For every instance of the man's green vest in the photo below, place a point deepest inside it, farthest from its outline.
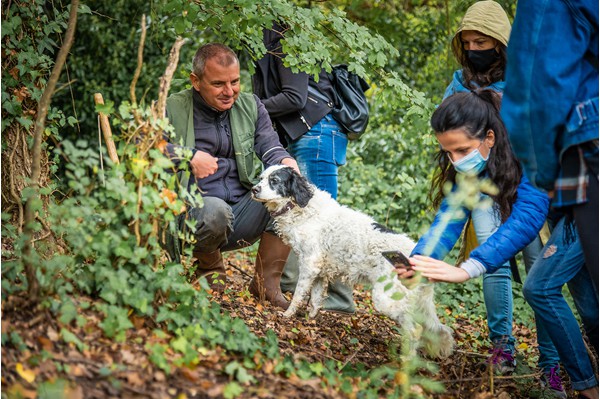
(242, 118)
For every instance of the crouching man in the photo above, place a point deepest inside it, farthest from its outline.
(225, 130)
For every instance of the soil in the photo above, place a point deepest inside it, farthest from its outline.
(108, 369)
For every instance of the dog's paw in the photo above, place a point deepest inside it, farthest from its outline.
(440, 345)
(289, 313)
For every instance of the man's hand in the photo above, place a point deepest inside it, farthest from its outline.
(291, 162)
(436, 270)
(203, 164)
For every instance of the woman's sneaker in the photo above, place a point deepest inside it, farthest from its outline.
(552, 385)
(502, 360)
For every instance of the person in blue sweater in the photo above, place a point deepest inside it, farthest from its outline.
(473, 140)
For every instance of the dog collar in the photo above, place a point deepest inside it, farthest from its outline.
(290, 205)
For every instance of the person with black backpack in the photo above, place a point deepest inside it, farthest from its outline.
(301, 110)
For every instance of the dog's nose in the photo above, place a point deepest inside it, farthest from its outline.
(255, 190)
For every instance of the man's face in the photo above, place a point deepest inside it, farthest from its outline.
(219, 86)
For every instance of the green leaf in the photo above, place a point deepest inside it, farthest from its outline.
(84, 9)
(68, 312)
(317, 368)
(107, 108)
(179, 25)
(69, 337)
(232, 390)
(157, 356)
(397, 296)
(180, 344)
(25, 122)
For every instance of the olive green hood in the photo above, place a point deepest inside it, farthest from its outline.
(487, 17)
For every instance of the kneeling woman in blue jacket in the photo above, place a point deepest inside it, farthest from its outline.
(473, 140)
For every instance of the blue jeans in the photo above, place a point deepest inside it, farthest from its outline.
(319, 153)
(497, 286)
(560, 262)
(497, 293)
(548, 354)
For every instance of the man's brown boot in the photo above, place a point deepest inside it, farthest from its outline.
(270, 260)
(210, 265)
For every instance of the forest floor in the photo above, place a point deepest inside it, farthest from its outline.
(46, 367)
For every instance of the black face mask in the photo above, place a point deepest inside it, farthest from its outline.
(482, 59)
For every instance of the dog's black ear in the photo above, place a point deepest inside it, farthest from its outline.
(300, 189)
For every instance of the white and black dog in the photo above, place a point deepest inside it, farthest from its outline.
(334, 242)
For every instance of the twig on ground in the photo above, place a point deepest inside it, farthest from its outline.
(498, 377)
(239, 269)
(475, 354)
(349, 359)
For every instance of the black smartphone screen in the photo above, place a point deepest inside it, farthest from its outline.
(396, 258)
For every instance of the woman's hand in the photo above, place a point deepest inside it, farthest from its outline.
(405, 272)
(436, 270)
(408, 276)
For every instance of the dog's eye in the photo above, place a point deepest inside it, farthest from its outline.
(274, 179)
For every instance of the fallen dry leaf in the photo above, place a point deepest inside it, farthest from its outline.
(74, 392)
(134, 379)
(47, 344)
(18, 391)
(27, 375)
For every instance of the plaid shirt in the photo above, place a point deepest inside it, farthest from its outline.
(577, 163)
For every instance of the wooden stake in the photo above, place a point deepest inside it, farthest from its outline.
(106, 131)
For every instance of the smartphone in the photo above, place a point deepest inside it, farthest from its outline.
(397, 259)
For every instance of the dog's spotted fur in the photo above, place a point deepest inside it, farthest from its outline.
(334, 242)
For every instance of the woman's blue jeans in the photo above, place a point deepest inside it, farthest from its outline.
(319, 153)
(497, 286)
(562, 261)
(497, 293)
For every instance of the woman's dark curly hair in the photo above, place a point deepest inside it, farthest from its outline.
(476, 112)
(495, 72)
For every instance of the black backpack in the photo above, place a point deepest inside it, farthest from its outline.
(351, 109)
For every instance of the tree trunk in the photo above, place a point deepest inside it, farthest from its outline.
(40, 123)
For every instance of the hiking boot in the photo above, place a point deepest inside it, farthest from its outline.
(270, 260)
(552, 385)
(502, 360)
(210, 266)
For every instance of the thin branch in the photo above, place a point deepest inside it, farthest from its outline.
(165, 80)
(106, 130)
(140, 62)
(349, 359)
(497, 377)
(13, 191)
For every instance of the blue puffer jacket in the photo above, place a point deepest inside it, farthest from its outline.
(457, 85)
(522, 226)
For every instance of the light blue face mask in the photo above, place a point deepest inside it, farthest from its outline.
(472, 164)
